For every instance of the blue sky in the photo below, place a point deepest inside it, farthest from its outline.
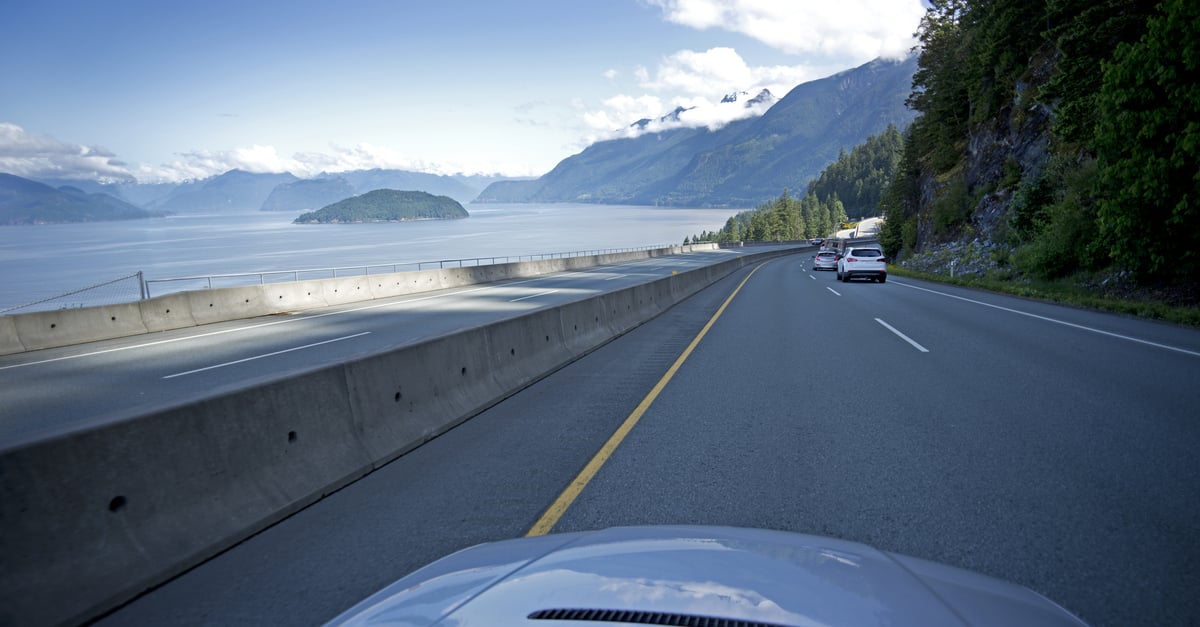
(166, 91)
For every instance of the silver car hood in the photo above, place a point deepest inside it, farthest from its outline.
(675, 574)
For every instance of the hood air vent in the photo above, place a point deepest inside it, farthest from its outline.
(638, 617)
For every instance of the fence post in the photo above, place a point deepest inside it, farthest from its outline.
(145, 289)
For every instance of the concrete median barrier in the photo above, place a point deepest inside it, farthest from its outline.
(94, 519)
(91, 519)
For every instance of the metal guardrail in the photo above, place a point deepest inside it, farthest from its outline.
(284, 276)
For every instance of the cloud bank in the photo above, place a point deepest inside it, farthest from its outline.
(826, 37)
(856, 29)
(697, 82)
(257, 158)
(31, 155)
(34, 156)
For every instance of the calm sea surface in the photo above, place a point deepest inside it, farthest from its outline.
(45, 261)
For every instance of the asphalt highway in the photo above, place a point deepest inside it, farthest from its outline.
(50, 392)
(1045, 445)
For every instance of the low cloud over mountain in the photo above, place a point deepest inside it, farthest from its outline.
(31, 155)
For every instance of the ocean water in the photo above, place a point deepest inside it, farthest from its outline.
(45, 261)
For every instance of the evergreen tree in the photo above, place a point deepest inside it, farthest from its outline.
(1148, 146)
(1085, 32)
(837, 213)
(733, 230)
(810, 209)
(940, 86)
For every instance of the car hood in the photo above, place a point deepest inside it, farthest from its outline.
(632, 575)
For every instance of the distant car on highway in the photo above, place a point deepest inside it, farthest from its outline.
(816, 241)
(825, 260)
(695, 575)
(862, 262)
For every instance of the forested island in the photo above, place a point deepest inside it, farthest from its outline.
(386, 205)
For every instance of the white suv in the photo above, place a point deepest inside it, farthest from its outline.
(864, 261)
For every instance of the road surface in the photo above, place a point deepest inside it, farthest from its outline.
(1046, 445)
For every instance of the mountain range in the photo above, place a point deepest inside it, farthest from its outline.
(23, 201)
(743, 163)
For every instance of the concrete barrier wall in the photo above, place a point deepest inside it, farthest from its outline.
(173, 311)
(10, 342)
(39, 330)
(93, 519)
(45, 329)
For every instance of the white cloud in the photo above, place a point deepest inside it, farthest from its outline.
(825, 36)
(856, 30)
(696, 81)
(720, 70)
(31, 155)
(202, 164)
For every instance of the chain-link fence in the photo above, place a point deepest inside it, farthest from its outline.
(126, 289)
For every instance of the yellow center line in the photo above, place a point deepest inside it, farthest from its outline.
(568, 496)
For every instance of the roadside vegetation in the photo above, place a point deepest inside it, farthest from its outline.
(1066, 293)
(1054, 156)
(1063, 135)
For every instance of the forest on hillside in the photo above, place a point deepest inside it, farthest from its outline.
(848, 189)
(1067, 132)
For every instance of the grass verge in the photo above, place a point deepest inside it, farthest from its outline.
(1066, 294)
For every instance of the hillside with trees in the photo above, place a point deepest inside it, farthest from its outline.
(1061, 137)
(741, 164)
(386, 205)
(847, 189)
(23, 201)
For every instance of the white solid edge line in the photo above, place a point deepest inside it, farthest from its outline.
(902, 336)
(286, 350)
(515, 300)
(1056, 321)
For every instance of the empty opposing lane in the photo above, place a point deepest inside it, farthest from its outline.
(49, 392)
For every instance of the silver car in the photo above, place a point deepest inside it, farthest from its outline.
(694, 575)
(825, 260)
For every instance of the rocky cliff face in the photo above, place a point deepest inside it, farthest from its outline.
(1009, 147)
